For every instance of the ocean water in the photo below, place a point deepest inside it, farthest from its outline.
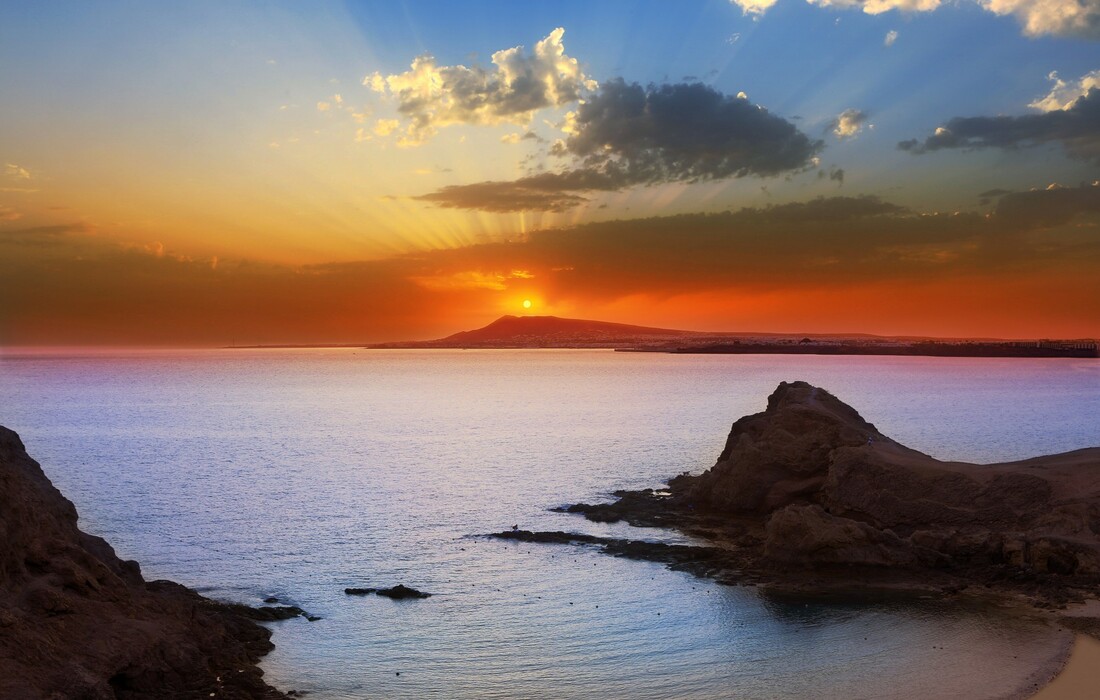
(297, 473)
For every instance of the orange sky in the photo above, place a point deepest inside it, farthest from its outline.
(840, 265)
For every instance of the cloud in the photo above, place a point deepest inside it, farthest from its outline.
(385, 127)
(1080, 18)
(626, 135)
(851, 261)
(1063, 95)
(848, 123)
(9, 214)
(544, 192)
(1076, 128)
(988, 196)
(685, 132)
(324, 106)
(753, 7)
(430, 96)
(832, 242)
(891, 37)
(61, 287)
(1046, 208)
(833, 173)
(1074, 18)
(877, 7)
(12, 170)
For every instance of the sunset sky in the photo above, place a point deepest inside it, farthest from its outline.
(206, 173)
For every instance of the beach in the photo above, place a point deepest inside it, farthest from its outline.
(1080, 679)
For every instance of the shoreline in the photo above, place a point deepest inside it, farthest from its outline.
(1079, 676)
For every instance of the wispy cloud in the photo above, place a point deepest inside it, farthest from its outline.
(17, 172)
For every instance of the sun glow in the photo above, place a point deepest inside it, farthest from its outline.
(526, 303)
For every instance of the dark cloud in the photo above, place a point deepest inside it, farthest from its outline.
(1077, 129)
(542, 192)
(1054, 206)
(686, 132)
(72, 287)
(824, 243)
(627, 135)
(989, 195)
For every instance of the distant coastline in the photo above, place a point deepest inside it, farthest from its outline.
(552, 332)
(924, 348)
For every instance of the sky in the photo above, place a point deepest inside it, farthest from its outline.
(212, 173)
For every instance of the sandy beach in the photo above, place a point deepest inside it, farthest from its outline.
(1080, 679)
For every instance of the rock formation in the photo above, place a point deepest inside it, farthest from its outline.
(78, 622)
(398, 592)
(836, 490)
(809, 485)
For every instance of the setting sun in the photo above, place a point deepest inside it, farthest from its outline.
(526, 303)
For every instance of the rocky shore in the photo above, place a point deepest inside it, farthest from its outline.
(809, 498)
(78, 622)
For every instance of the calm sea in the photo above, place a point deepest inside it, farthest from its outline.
(297, 473)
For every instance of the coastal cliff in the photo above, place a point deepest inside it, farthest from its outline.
(837, 491)
(78, 622)
(809, 496)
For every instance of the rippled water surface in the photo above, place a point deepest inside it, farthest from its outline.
(297, 473)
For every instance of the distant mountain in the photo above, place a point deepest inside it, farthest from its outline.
(555, 332)
(552, 331)
(551, 328)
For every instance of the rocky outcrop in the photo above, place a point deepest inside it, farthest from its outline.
(398, 592)
(78, 622)
(808, 485)
(832, 489)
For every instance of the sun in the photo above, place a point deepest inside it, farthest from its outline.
(526, 303)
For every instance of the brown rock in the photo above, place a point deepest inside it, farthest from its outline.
(808, 536)
(78, 622)
(832, 489)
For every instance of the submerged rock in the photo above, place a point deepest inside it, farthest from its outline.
(78, 622)
(270, 613)
(398, 592)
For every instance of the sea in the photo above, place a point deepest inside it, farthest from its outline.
(296, 473)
